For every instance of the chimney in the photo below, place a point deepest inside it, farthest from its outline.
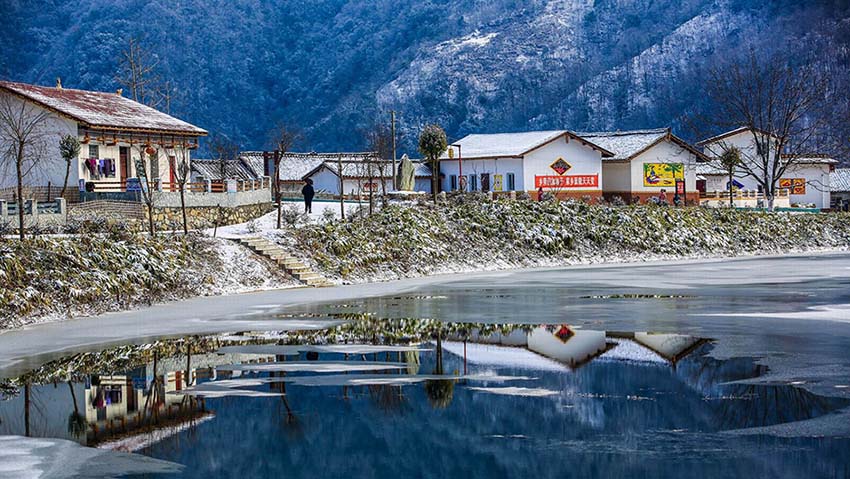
(59, 83)
(119, 92)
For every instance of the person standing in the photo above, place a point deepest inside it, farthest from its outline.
(540, 194)
(308, 193)
(662, 197)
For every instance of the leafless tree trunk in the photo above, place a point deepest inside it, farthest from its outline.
(182, 173)
(341, 187)
(138, 73)
(23, 143)
(780, 106)
(148, 185)
(284, 139)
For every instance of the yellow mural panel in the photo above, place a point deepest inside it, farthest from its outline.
(662, 175)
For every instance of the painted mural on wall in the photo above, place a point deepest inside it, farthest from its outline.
(662, 175)
(797, 186)
(560, 166)
(498, 182)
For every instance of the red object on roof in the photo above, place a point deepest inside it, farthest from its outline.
(102, 110)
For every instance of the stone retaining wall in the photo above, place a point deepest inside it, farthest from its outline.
(207, 216)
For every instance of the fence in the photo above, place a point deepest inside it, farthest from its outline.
(41, 213)
(744, 199)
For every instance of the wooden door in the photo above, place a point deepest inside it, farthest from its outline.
(485, 181)
(124, 164)
(171, 172)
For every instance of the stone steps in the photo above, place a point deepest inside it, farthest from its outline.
(293, 266)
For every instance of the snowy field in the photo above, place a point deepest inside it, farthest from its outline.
(267, 224)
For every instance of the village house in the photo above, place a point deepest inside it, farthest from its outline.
(806, 182)
(559, 161)
(646, 162)
(839, 188)
(113, 131)
(362, 173)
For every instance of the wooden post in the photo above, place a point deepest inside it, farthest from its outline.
(341, 187)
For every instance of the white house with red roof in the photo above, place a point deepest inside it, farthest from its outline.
(558, 161)
(113, 132)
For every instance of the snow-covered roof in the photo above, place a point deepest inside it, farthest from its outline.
(102, 110)
(233, 169)
(421, 169)
(723, 136)
(709, 169)
(361, 169)
(511, 145)
(812, 159)
(626, 144)
(839, 180)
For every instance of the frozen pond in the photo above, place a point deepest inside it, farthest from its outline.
(714, 369)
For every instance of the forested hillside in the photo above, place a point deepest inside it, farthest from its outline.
(330, 67)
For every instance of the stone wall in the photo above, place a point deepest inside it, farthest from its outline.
(207, 216)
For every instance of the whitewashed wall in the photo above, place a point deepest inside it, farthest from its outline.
(664, 152)
(324, 180)
(498, 166)
(583, 159)
(816, 175)
(618, 176)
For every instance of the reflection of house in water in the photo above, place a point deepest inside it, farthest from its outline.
(577, 347)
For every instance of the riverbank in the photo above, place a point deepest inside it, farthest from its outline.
(49, 279)
(472, 233)
(57, 278)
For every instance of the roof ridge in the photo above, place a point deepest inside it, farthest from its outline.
(646, 131)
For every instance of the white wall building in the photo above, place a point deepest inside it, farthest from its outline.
(645, 162)
(113, 132)
(361, 173)
(559, 161)
(805, 183)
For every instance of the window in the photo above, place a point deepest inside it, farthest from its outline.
(452, 182)
(94, 151)
(511, 182)
(473, 182)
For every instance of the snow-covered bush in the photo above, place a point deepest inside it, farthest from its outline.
(471, 232)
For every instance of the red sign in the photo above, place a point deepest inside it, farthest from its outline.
(680, 187)
(569, 181)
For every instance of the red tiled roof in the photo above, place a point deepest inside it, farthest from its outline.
(102, 110)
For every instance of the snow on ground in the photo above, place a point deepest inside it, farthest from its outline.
(266, 225)
(27, 457)
(242, 271)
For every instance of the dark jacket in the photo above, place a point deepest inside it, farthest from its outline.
(308, 192)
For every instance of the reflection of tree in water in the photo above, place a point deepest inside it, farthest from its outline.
(753, 405)
(439, 391)
(749, 405)
(76, 422)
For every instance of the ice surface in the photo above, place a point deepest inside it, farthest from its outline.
(294, 350)
(515, 391)
(314, 366)
(31, 458)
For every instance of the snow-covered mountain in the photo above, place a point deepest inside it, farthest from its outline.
(332, 66)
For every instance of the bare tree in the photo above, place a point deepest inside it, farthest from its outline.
(379, 141)
(182, 172)
(149, 178)
(23, 143)
(284, 138)
(137, 72)
(780, 105)
(223, 151)
(730, 160)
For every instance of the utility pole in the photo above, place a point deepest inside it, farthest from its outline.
(392, 129)
(341, 187)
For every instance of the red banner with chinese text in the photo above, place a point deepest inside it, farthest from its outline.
(568, 181)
